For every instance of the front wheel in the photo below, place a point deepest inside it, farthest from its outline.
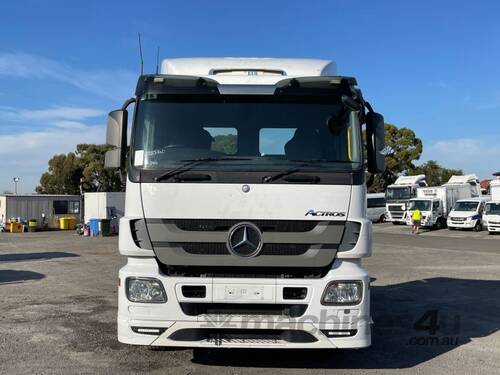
(478, 227)
(382, 219)
(440, 224)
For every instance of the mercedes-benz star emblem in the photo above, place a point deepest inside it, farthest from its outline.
(244, 240)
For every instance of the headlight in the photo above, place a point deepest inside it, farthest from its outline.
(144, 289)
(343, 293)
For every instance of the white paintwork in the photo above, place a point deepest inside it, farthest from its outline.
(470, 179)
(470, 217)
(169, 315)
(227, 201)
(97, 204)
(492, 222)
(263, 201)
(413, 182)
(445, 196)
(208, 67)
(409, 180)
(495, 189)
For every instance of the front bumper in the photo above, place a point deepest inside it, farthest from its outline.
(467, 224)
(318, 327)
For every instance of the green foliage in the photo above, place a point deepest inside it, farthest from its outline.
(402, 149)
(85, 166)
(436, 175)
(225, 143)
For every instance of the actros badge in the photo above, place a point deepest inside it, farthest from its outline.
(325, 213)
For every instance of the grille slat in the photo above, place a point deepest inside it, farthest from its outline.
(221, 225)
(214, 248)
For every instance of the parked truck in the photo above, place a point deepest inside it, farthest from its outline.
(471, 180)
(245, 216)
(491, 215)
(398, 194)
(436, 202)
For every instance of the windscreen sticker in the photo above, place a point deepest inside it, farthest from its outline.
(139, 158)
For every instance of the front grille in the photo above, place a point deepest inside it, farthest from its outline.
(457, 218)
(395, 209)
(210, 248)
(222, 225)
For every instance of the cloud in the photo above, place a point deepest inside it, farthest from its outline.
(49, 115)
(26, 154)
(479, 155)
(114, 84)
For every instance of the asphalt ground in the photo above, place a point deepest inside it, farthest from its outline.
(435, 306)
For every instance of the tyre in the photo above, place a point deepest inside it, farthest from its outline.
(382, 219)
(440, 224)
(478, 227)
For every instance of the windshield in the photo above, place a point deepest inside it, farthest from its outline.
(492, 209)
(466, 206)
(420, 204)
(395, 193)
(247, 133)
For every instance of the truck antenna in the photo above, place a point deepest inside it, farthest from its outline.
(157, 58)
(140, 54)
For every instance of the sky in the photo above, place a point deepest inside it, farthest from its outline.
(432, 66)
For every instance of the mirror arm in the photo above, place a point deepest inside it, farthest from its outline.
(127, 103)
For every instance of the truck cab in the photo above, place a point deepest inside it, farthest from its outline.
(431, 210)
(491, 216)
(398, 194)
(468, 214)
(245, 217)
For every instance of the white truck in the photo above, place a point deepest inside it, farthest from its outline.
(491, 216)
(471, 180)
(245, 215)
(468, 214)
(398, 194)
(435, 203)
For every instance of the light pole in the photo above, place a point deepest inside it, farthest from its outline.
(16, 180)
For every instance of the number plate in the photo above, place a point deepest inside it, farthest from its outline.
(243, 293)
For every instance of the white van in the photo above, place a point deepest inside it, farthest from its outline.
(468, 214)
(375, 207)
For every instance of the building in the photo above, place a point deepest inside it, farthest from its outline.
(104, 205)
(45, 208)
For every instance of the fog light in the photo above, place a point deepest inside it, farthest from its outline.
(343, 293)
(146, 290)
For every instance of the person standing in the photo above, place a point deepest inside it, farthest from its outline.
(416, 218)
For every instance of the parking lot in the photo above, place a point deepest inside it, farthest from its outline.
(435, 306)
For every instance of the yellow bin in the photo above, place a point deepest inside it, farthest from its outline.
(67, 223)
(16, 228)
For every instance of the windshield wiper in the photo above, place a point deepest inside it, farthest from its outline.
(191, 164)
(297, 178)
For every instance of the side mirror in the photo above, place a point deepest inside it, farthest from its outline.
(375, 142)
(116, 135)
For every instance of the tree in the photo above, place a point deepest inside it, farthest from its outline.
(62, 177)
(81, 169)
(436, 175)
(402, 149)
(225, 143)
(95, 177)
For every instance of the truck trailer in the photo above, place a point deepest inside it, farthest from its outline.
(245, 211)
(436, 202)
(398, 194)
